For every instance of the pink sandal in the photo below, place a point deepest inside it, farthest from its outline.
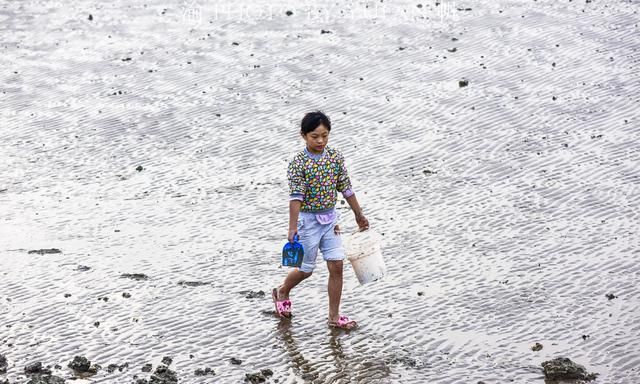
(343, 323)
(283, 307)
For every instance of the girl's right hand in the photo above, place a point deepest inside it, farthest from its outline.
(292, 233)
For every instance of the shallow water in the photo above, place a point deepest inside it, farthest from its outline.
(527, 217)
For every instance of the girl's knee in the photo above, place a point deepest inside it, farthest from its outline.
(335, 266)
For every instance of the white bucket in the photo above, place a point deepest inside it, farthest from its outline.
(364, 252)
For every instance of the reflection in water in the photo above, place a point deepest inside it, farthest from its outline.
(351, 366)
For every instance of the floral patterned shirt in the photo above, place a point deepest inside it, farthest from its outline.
(315, 179)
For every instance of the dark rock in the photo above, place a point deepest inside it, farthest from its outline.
(463, 83)
(67, 295)
(83, 268)
(3, 365)
(90, 18)
(135, 276)
(452, 49)
(147, 368)
(139, 168)
(112, 368)
(266, 372)
(46, 379)
(167, 361)
(255, 377)
(585, 337)
(163, 375)
(193, 283)
(252, 294)
(536, 347)
(235, 361)
(289, 13)
(323, 31)
(36, 369)
(611, 296)
(80, 364)
(126, 295)
(204, 372)
(45, 251)
(562, 368)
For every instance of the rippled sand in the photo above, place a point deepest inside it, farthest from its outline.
(509, 206)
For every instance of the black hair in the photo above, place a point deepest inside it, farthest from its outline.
(313, 120)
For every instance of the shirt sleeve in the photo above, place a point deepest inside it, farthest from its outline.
(295, 176)
(348, 192)
(296, 196)
(344, 182)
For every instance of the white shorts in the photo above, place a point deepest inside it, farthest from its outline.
(313, 236)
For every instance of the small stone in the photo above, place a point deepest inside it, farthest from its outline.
(135, 276)
(289, 13)
(147, 367)
(536, 347)
(139, 168)
(610, 296)
(463, 83)
(167, 361)
(45, 251)
(126, 295)
(235, 361)
(90, 18)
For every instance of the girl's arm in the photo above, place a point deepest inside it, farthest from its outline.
(294, 211)
(362, 221)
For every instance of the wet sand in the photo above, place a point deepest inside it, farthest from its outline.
(494, 145)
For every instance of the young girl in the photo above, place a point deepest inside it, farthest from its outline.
(315, 174)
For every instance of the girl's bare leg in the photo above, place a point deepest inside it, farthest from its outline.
(293, 278)
(335, 288)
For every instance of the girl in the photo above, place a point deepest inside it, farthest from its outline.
(314, 175)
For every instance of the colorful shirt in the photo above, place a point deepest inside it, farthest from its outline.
(315, 178)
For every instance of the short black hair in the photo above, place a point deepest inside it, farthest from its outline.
(313, 120)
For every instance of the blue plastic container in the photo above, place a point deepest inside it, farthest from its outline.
(292, 253)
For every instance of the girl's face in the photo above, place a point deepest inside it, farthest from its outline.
(317, 139)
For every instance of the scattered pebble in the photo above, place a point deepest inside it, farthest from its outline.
(3, 365)
(193, 283)
(252, 294)
(463, 83)
(536, 347)
(90, 18)
(81, 364)
(139, 167)
(204, 372)
(135, 276)
(235, 361)
(611, 296)
(258, 377)
(147, 367)
(45, 251)
(126, 295)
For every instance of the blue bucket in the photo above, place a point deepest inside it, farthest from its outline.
(292, 253)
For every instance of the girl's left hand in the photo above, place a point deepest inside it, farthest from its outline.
(336, 229)
(362, 221)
